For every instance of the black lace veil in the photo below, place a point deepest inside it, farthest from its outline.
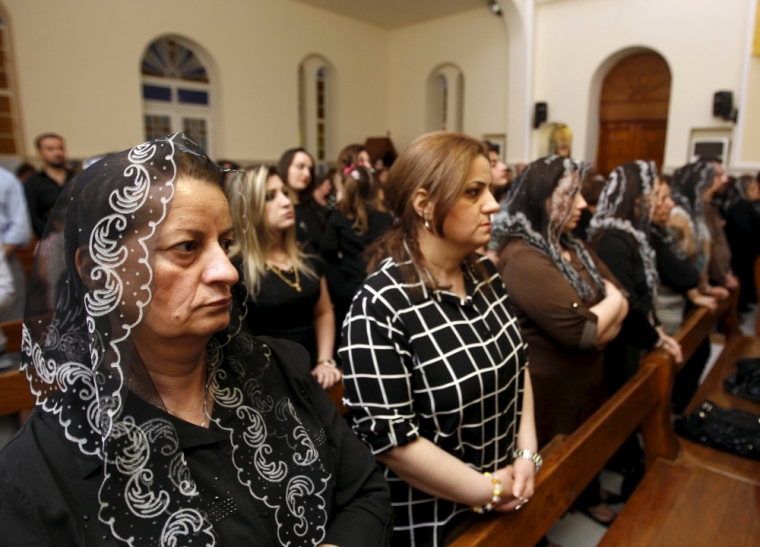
(687, 188)
(91, 286)
(524, 213)
(627, 204)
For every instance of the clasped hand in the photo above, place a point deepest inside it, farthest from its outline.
(517, 481)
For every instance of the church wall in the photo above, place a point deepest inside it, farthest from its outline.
(476, 42)
(702, 41)
(78, 68)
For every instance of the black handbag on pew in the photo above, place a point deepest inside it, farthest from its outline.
(745, 382)
(730, 430)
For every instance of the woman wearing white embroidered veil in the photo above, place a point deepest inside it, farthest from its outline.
(160, 420)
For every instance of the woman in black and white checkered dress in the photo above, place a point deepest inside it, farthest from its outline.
(436, 376)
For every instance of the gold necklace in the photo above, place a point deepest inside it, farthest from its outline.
(280, 273)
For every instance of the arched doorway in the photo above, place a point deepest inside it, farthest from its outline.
(633, 111)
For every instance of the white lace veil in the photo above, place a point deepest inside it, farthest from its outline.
(523, 213)
(627, 204)
(90, 287)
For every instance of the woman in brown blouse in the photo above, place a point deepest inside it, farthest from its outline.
(566, 299)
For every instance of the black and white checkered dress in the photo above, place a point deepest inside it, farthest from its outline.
(427, 363)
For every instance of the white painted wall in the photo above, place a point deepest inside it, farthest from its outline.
(702, 41)
(78, 67)
(477, 43)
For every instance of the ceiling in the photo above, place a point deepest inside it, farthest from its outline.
(396, 13)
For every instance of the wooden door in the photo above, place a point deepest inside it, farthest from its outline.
(633, 114)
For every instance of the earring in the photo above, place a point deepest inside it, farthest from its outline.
(427, 225)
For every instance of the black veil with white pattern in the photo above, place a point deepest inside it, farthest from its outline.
(91, 285)
(687, 188)
(627, 204)
(524, 213)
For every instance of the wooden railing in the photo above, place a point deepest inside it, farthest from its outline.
(644, 401)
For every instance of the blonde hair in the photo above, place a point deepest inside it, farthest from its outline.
(247, 196)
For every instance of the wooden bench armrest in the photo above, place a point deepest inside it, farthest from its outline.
(568, 468)
(644, 400)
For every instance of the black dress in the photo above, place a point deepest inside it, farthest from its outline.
(49, 490)
(620, 253)
(308, 225)
(343, 251)
(743, 234)
(679, 274)
(280, 311)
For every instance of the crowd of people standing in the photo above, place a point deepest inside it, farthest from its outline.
(472, 315)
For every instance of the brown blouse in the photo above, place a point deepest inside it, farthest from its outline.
(566, 367)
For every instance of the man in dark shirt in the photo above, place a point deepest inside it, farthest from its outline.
(43, 188)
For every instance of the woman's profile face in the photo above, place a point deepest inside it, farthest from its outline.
(468, 223)
(565, 204)
(663, 205)
(364, 159)
(753, 191)
(192, 275)
(299, 172)
(278, 209)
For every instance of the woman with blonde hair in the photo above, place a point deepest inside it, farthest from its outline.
(286, 292)
(436, 369)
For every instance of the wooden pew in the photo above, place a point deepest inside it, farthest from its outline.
(14, 389)
(644, 401)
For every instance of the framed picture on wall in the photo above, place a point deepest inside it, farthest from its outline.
(500, 140)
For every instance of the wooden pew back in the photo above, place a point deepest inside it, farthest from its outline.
(14, 389)
(643, 401)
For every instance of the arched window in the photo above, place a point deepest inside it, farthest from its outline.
(176, 91)
(445, 96)
(11, 147)
(316, 110)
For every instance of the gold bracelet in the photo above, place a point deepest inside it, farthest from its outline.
(328, 362)
(496, 498)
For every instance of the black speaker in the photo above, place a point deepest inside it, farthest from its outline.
(723, 104)
(540, 115)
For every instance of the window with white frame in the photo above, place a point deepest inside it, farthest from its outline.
(316, 110)
(10, 134)
(445, 97)
(176, 92)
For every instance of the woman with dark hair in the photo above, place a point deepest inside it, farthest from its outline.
(160, 420)
(435, 368)
(568, 302)
(296, 169)
(286, 291)
(359, 220)
(698, 225)
(619, 233)
(353, 155)
(323, 196)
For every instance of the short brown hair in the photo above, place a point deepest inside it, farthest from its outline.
(40, 138)
(438, 163)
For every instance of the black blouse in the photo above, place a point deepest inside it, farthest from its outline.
(619, 252)
(280, 311)
(421, 363)
(343, 250)
(49, 491)
(308, 225)
(675, 272)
